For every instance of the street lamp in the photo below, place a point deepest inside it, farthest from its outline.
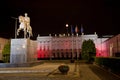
(15, 25)
(67, 28)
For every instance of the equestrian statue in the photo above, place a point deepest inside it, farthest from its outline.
(25, 26)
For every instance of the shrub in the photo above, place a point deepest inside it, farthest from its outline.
(110, 63)
(1, 61)
(88, 50)
(6, 53)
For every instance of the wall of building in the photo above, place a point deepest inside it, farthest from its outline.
(111, 47)
(62, 46)
(101, 47)
(3, 41)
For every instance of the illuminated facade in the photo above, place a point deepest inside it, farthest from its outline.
(62, 46)
(110, 47)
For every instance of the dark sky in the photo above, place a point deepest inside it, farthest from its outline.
(50, 16)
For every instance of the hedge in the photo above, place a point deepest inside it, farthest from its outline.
(112, 64)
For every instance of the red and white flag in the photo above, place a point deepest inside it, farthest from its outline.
(76, 29)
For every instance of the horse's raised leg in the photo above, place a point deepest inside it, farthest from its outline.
(18, 30)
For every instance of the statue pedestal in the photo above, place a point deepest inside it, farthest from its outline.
(23, 51)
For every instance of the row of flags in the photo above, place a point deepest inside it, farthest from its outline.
(76, 29)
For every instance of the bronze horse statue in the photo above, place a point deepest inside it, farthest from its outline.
(25, 26)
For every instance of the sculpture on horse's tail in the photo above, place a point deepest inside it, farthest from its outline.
(25, 26)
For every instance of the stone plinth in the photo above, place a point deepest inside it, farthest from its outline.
(22, 51)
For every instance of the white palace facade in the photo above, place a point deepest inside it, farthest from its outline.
(64, 46)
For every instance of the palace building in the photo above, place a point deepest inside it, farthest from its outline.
(61, 46)
(64, 46)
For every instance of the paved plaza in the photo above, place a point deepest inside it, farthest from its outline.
(49, 71)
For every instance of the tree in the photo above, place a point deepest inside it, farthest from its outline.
(88, 50)
(6, 52)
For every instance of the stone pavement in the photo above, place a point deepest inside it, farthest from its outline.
(87, 74)
(49, 71)
(46, 71)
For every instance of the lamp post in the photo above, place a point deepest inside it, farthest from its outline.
(15, 25)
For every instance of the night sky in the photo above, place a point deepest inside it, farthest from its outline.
(50, 16)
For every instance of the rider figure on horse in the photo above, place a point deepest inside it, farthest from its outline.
(25, 25)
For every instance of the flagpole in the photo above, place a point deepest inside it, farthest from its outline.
(72, 35)
(72, 46)
(77, 45)
(76, 30)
